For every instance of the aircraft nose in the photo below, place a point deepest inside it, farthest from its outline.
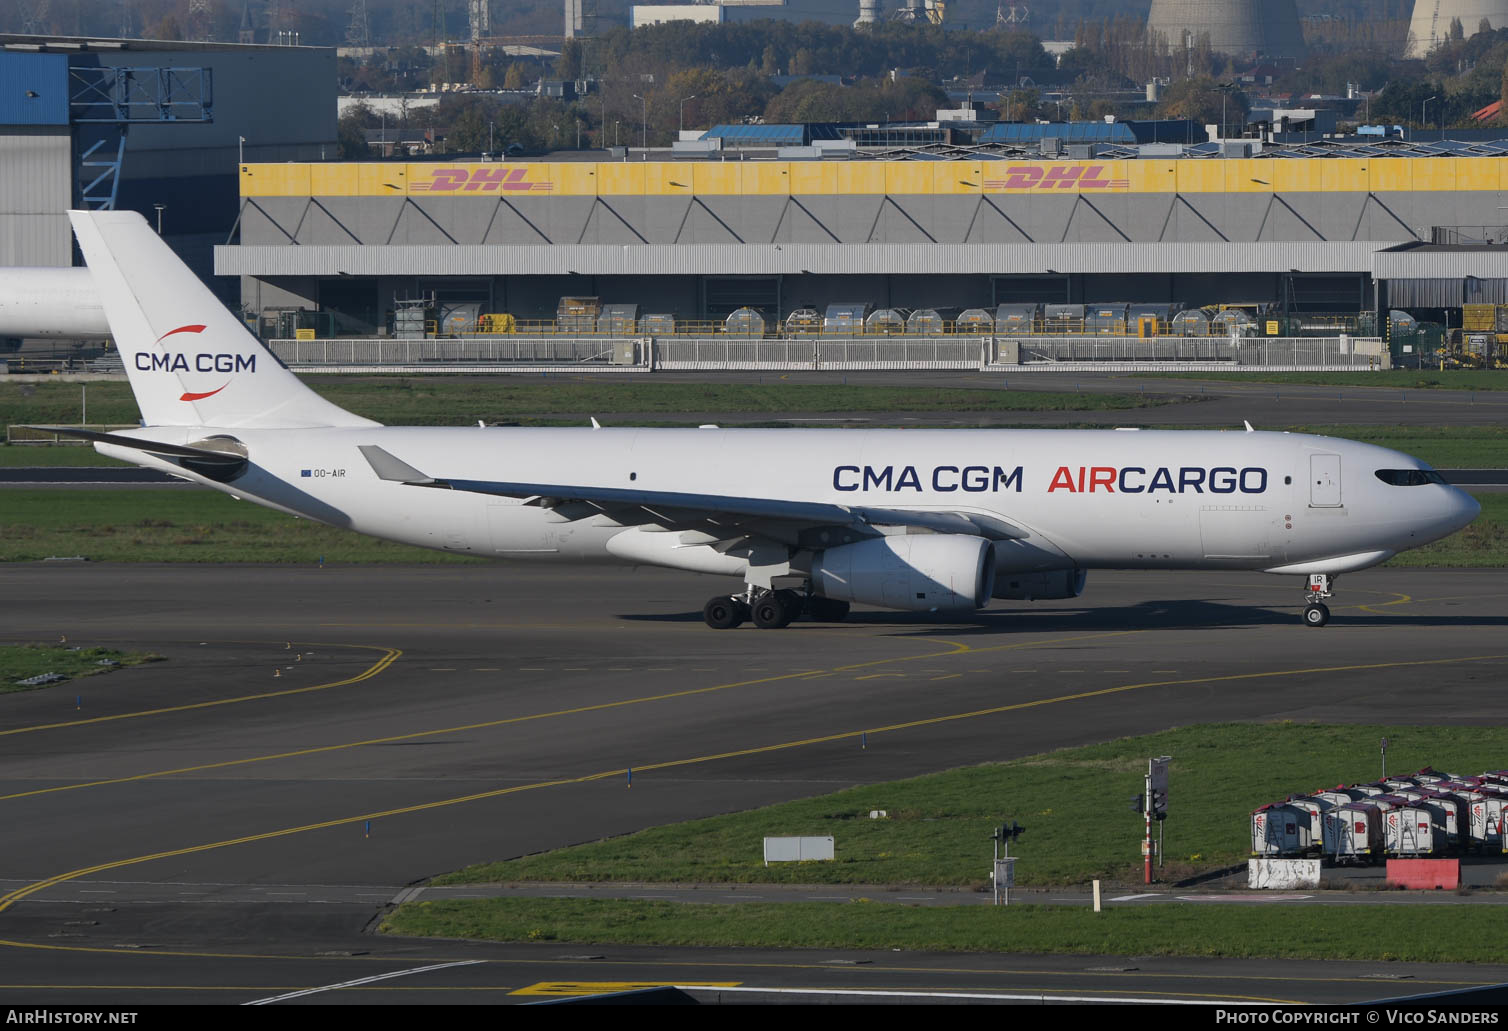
(1461, 509)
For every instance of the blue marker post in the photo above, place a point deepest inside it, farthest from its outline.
(368, 832)
(864, 739)
(322, 562)
(78, 702)
(630, 776)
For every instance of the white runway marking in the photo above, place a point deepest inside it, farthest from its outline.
(360, 981)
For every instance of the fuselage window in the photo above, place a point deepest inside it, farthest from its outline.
(1409, 477)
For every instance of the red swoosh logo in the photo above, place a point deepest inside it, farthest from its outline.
(201, 397)
(180, 329)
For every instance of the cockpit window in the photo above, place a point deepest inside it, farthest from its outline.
(1409, 477)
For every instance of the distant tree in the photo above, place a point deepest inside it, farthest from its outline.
(571, 61)
(351, 132)
(1456, 30)
(514, 77)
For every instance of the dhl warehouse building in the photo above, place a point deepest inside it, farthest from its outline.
(700, 238)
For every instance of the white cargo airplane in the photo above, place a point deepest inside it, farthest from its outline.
(809, 520)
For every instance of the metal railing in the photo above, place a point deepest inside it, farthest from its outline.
(500, 350)
(841, 353)
(1313, 352)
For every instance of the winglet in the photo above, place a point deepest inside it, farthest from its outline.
(389, 468)
(1248, 426)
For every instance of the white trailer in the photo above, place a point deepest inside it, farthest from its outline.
(1408, 828)
(1279, 829)
(1451, 809)
(1355, 831)
(1315, 808)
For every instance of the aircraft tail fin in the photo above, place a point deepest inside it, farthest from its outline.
(191, 362)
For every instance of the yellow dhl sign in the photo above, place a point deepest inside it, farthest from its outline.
(542, 179)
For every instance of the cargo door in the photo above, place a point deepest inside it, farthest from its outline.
(1235, 533)
(1324, 481)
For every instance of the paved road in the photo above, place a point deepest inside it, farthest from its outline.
(198, 829)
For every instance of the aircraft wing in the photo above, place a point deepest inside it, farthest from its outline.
(773, 517)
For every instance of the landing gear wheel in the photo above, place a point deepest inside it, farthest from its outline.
(827, 610)
(771, 612)
(723, 613)
(1316, 614)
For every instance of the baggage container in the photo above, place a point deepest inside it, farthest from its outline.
(931, 322)
(1315, 808)
(1016, 319)
(886, 321)
(1452, 808)
(803, 322)
(1356, 833)
(1408, 827)
(976, 321)
(845, 320)
(744, 322)
(1279, 829)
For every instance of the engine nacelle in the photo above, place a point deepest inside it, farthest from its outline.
(915, 572)
(1048, 586)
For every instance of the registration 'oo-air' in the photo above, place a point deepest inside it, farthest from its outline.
(809, 520)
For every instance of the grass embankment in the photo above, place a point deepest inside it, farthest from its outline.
(442, 401)
(106, 524)
(22, 661)
(1071, 802)
(1357, 932)
(1072, 805)
(1410, 379)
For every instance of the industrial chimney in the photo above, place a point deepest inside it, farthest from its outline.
(1242, 27)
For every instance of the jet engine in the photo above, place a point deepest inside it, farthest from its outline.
(1048, 586)
(915, 572)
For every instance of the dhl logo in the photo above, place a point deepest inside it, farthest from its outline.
(473, 180)
(1057, 177)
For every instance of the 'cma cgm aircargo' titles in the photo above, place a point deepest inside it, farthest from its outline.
(809, 520)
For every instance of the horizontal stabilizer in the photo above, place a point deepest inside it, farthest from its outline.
(151, 447)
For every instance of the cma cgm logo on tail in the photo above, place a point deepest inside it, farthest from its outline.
(483, 179)
(202, 361)
(1056, 177)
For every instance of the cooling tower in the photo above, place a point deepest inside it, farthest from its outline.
(1431, 22)
(1244, 27)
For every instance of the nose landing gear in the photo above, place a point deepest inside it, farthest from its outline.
(1316, 612)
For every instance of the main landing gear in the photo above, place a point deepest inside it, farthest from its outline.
(1316, 612)
(770, 610)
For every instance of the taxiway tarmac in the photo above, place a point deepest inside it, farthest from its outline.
(369, 727)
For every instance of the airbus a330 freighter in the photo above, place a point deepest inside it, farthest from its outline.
(809, 520)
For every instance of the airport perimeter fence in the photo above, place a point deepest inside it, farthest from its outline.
(1271, 353)
(1001, 353)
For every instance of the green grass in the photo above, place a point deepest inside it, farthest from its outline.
(21, 661)
(1072, 804)
(1444, 447)
(1482, 544)
(1414, 379)
(178, 525)
(1416, 933)
(442, 401)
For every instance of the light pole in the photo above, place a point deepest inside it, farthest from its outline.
(643, 122)
(159, 208)
(682, 126)
(1422, 108)
(240, 150)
